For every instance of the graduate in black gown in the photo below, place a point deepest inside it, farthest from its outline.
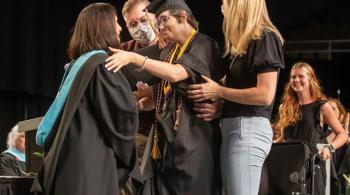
(184, 147)
(89, 131)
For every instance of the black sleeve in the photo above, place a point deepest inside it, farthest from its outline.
(202, 58)
(133, 76)
(118, 116)
(265, 54)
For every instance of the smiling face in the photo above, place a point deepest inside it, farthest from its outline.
(300, 80)
(168, 26)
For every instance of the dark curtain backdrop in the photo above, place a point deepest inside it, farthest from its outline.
(34, 36)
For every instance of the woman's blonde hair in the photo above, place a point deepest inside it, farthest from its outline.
(289, 110)
(244, 21)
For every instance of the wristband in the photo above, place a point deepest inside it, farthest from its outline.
(143, 65)
(330, 147)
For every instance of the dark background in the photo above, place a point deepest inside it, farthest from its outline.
(34, 36)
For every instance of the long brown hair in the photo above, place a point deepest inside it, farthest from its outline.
(94, 29)
(289, 112)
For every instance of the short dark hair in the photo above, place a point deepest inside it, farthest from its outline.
(94, 29)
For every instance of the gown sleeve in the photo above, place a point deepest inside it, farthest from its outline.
(118, 117)
(203, 57)
(265, 54)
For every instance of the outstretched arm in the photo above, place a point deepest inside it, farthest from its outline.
(166, 71)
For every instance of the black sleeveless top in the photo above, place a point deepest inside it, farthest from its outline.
(308, 129)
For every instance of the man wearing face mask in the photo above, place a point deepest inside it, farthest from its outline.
(139, 28)
(143, 36)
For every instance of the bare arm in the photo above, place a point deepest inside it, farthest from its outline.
(332, 121)
(332, 136)
(263, 94)
(166, 71)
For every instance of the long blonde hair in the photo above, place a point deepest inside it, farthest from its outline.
(244, 21)
(289, 112)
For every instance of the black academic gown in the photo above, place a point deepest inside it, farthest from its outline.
(91, 149)
(10, 165)
(189, 155)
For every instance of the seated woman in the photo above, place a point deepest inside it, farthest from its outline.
(89, 131)
(12, 160)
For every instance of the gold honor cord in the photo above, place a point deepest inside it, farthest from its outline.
(182, 50)
(187, 42)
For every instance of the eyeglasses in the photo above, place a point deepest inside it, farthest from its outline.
(164, 19)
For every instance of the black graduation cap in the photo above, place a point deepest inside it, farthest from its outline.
(159, 6)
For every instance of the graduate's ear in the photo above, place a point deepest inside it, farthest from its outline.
(183, 16)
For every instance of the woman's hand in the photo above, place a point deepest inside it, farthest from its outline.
(118, 60)
(145, 104)
(143, 95)
(208, 111)
(325, 153)
(142, 90)
(209, 90)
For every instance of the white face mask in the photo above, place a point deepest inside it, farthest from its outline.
(142, 33)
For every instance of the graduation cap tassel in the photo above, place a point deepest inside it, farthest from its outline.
(155, 153)
(155, 148)
(161, 42)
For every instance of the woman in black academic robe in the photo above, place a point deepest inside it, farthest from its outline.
(90, 149)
